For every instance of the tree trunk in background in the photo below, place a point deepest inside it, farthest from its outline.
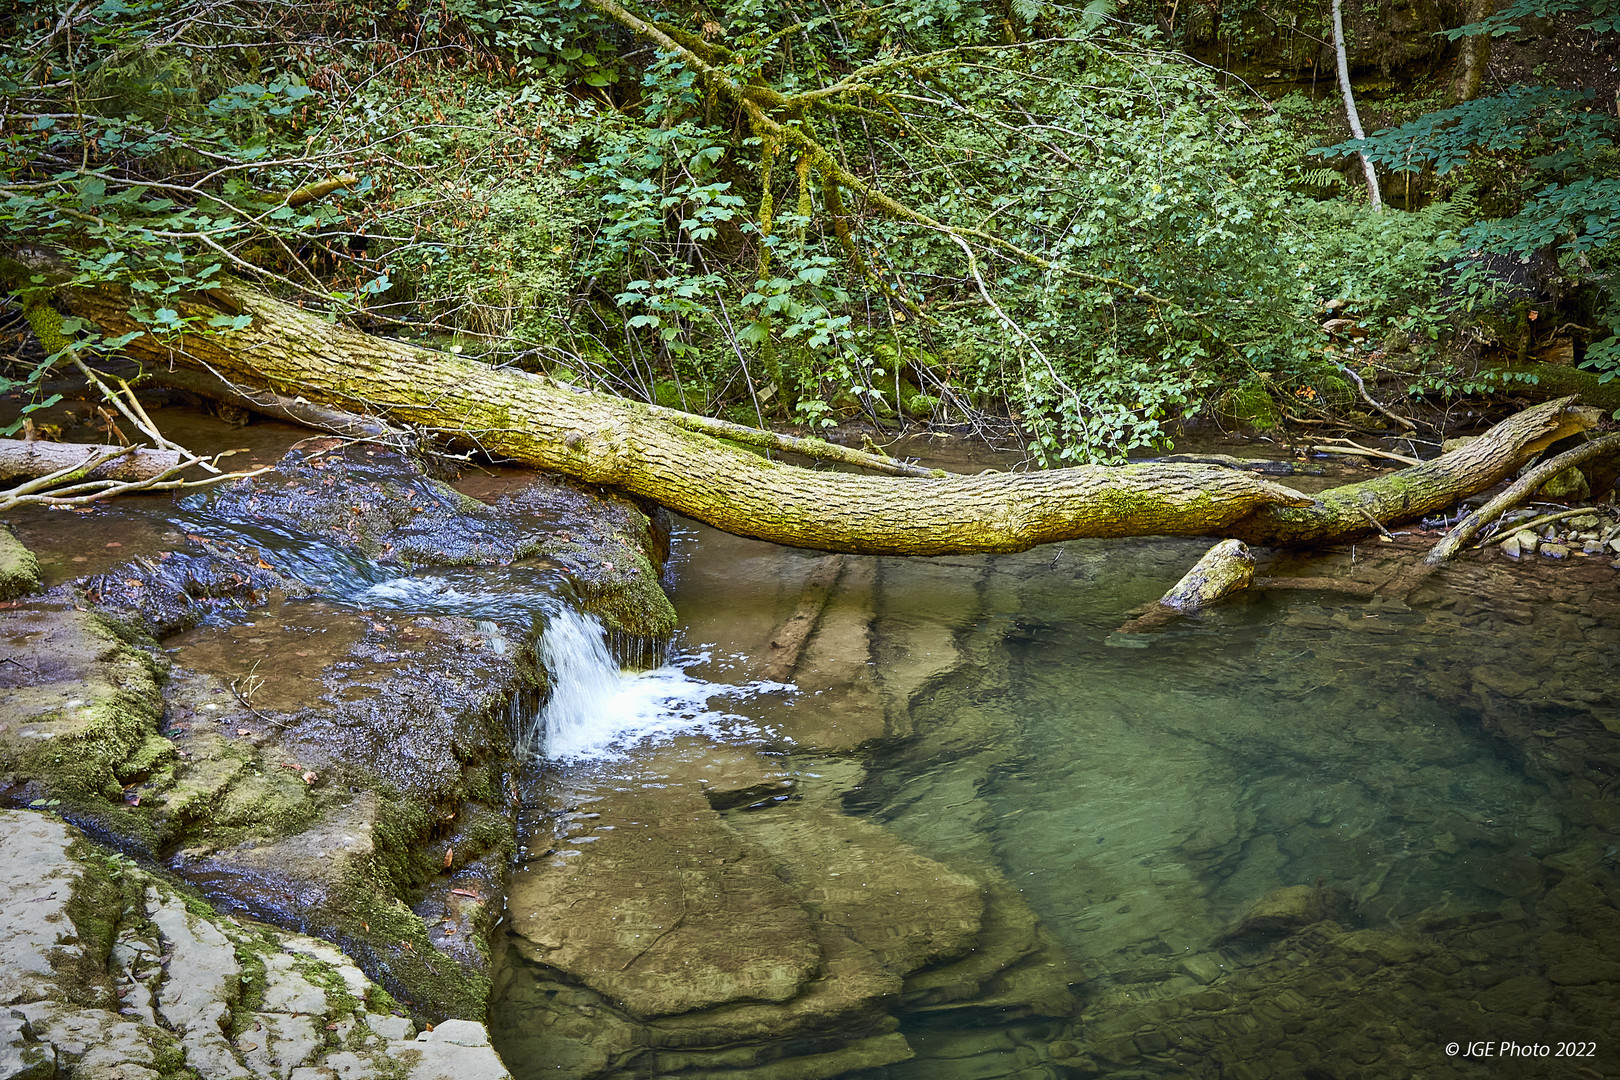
(1474, 57)
(605, 440)
(1350, 105)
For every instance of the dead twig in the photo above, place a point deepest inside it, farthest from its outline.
(1368, 398)
(1352, 449)
(1376, 524)
(254, 682)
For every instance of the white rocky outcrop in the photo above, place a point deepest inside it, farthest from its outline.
(107, 971)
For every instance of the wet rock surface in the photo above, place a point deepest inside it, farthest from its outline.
(327, 738)
(713, 908)
(19, 569)
(109, 971)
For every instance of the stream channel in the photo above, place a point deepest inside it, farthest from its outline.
(967, 830)
(1302, 836)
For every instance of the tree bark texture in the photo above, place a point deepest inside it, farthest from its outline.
(1226, 568)
(603, 440)
(33, 459)
(1474, 56)
(1350, 112)
(275, 406)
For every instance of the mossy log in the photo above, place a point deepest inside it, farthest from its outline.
(1226, 568)
(1559, 380)
(603, 440)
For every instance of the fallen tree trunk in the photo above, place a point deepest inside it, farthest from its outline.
(1358, 509)
(34, 459)
(275, 406)
(608, 441)
(1226, 568)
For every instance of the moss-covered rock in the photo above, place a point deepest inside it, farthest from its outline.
(1250, 405)
(82, 712)
(117, 971)
(343, 768)
(19, 569)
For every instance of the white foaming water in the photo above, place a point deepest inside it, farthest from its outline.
(597, 712)
(515, 594)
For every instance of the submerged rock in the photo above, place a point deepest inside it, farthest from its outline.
(778, 937)
(1283, 911)
(668, 916)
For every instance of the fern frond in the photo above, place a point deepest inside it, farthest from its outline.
(1095, 12)
(1321, 177)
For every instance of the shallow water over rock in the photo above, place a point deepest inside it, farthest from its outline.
(1301, 836)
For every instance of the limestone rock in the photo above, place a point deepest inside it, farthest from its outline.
(1282, 911)
(448, 1061)
(216, 990)
(207, 957)
(392, 1028)
(1385, 947)
(307, 784)
(671, 912)
(288, 991)
(37, 882)
(909, 910)
(22, 1055)
(867, 924)
(457, 1032)
(82, 709)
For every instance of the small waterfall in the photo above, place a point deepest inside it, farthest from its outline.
(595, 710)
(585, 684)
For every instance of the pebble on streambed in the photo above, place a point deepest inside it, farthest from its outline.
(1583, 536)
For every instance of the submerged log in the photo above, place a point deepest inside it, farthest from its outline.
(787, 644)
(1226, 568)
(603, 440)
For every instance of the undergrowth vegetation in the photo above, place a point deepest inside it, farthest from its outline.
(942, 209)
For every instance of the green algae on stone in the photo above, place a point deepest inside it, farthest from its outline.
(19, 568)
(81, 706)
(1250, 405)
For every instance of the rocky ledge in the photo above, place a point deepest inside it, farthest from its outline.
(108, 971)
(305, 700)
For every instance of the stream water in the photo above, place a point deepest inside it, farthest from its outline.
(1303, 836)
(964, 829)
